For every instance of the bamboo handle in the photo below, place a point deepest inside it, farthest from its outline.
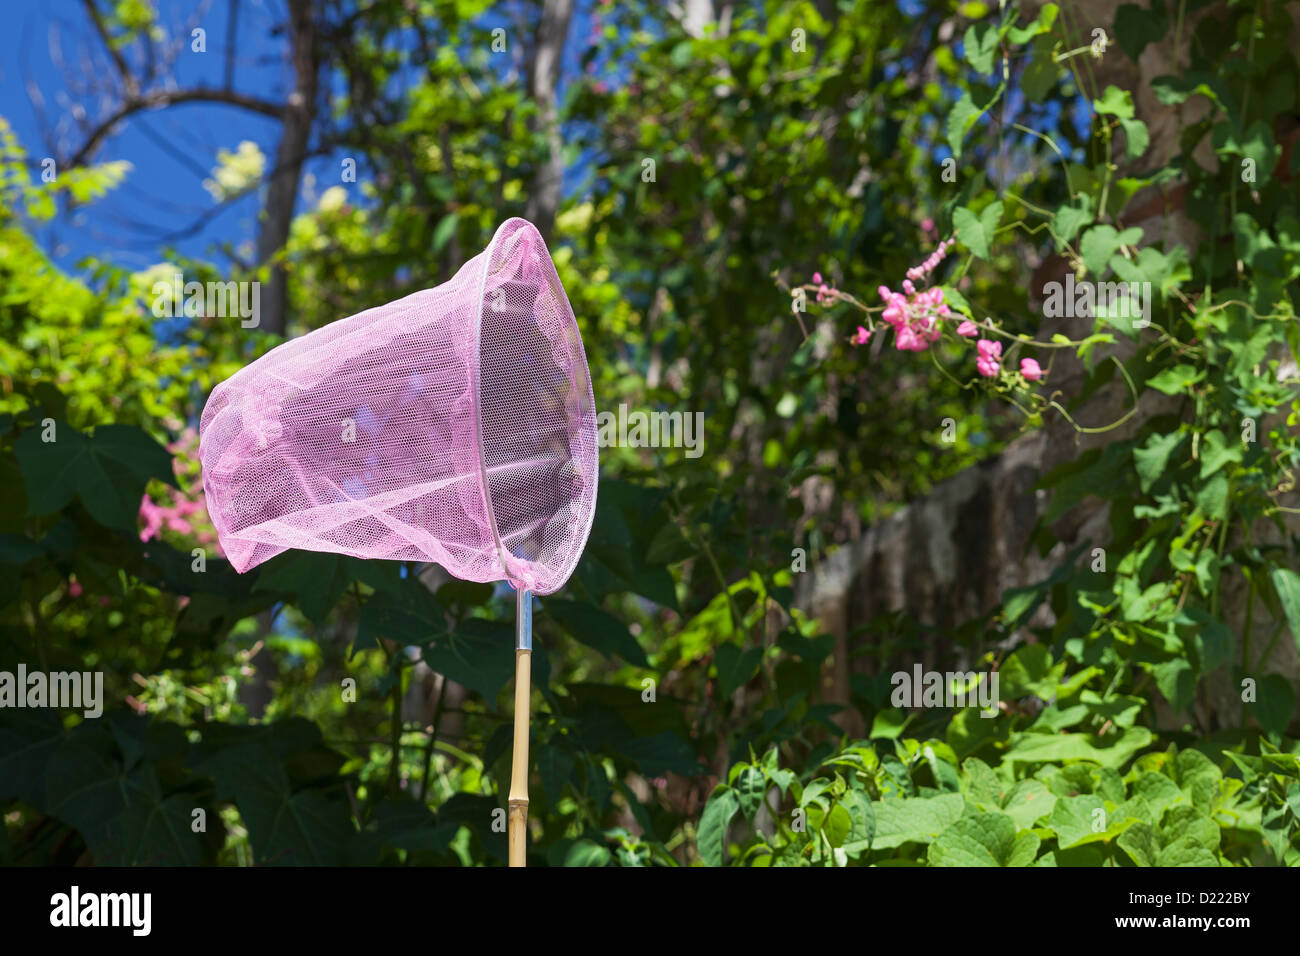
(517, 823)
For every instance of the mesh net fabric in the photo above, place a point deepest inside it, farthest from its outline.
(456, 425)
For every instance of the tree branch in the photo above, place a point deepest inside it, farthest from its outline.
(159, 98)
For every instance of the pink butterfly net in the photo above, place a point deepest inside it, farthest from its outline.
(456, 425)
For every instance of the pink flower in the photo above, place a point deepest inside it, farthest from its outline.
(989, 356)
(1030, 369)
(862, 336)
(907, 340)
(74, 589)
(927, 225)
(967, 329)
(817, 278)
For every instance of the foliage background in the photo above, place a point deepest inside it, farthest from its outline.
(773, 159)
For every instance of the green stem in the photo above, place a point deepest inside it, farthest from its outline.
(433, 738)
(1277, 632)
(1218, 560)
(395, 734)
(1250, 615)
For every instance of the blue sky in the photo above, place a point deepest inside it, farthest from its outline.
(163, 202)
(171, 150)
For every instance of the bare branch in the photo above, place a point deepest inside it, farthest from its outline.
(128, 79)
(159, 98)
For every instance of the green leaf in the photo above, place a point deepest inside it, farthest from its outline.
(401, 823)
(445, 229)
(1287, 584)
(1139, 842)
(1029, 670)
(555, 768)
(1039, 78)
(980, 44)
(1101, 242)
(1217, 452)
(1135, 27)
(287, 825)
(1255, 144)
(1068, 220)
(315, 578)
(963, 116)
(1027, 802)
(662, 753)
(1165, 271)
(1275, 703)
(1212, 497)
(751, 784)
(711, 838)
(410, 617)
(1152, 459)
(1186, 852)
(981, 839)
(1040, 24)
(735, 666)
(1174, 381)
(669, 546)
(584, 852)
(1057, 748)
(837, 825)
(977, 232)
(1115, 102)
(1158, 792)
(1136, 137)
(109, 471)
(915, 819)
(956, 301)
(863, 829)
(1074, 820)
(477, 654)
(597, 629)
(1213, 639)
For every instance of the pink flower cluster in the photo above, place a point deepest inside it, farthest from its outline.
(914, 316)
(172, 515)
(988, 357)
(916, 273)
(825, 293)
(186, 512)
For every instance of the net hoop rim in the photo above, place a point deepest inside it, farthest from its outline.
(511, 227)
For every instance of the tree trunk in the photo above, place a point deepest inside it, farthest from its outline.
(552, 31)
(282, 192)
